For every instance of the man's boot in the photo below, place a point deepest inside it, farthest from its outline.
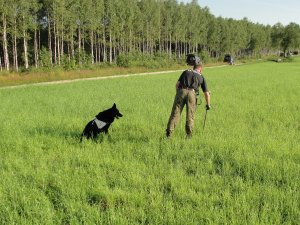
(168, 133)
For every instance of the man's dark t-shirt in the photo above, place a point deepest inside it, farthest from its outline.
(193, 80)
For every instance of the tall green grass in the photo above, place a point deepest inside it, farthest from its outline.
(242, 169)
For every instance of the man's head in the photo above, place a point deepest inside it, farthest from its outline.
(193, 60)
(198, 67)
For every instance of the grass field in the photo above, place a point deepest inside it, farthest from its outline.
(244, 168)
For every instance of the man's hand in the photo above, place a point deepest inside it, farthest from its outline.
(208, 107)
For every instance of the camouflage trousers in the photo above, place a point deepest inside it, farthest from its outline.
(183, 97)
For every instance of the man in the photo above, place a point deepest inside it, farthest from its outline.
(187, 89)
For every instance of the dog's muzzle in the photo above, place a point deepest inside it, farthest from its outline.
(118, 115)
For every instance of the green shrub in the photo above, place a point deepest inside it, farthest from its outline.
(68, 64)
(123, 60)
(83, 59)
(45, 58)
(204, 56)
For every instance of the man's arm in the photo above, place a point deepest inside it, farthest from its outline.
(177, 85)
(206, 93)
(207, 99)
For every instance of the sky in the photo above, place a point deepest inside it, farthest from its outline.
(267, 12)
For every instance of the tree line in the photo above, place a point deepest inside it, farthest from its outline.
(47, 33)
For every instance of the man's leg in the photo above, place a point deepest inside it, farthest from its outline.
(190, 113)
(176, 112)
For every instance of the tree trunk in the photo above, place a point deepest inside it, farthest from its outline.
(176, 47)
(167, 44)
(92, 46)
(96, 48)
(170, 45)
(39, 40)
(25, 44)
(147, 39)
(130, 41)
(72, 45)
(110, 47)
(160, 45)
(79, 45)
(25, 51)
(6, 59)
(143, 45)
(35, 49)
(104, 47)
(62, 40)
(83, 47)
(55, 42)
(69, 51)
(15, 53)
(99, 50)
(79, 39)
(114, 50)
(62, 45)
(58, 45)
(49, 38)
(15, 50)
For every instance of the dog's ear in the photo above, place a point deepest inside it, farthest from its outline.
(114, 106)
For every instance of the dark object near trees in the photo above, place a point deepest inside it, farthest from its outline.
(192, 60)
(228, 58)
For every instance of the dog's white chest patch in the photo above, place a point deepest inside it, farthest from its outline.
(100, 124)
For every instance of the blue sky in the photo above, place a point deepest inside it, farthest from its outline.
(257, 11)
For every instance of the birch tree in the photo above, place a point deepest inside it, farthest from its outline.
(4, 12)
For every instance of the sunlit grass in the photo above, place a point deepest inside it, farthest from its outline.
(242, 169)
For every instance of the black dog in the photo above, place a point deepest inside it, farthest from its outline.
(101, 123)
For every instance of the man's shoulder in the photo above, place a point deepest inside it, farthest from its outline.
(197, 74)
(187, 72)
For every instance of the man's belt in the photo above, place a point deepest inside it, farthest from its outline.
(187, 88)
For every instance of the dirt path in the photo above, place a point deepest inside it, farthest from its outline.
(98, 78)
